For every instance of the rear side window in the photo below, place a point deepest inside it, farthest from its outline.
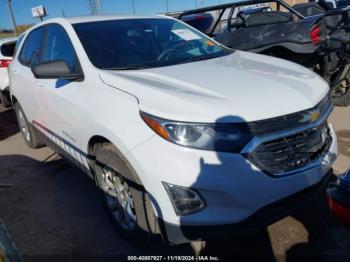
(8, 49)
(59, 47)
(32, 46)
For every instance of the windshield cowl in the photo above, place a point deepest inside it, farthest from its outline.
(191, 60)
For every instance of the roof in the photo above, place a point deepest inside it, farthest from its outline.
(94, 18)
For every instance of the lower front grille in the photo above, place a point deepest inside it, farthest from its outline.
(292, 152)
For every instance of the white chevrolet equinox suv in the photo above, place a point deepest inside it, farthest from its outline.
(185, 138)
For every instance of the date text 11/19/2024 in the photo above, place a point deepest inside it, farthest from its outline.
(173, 258)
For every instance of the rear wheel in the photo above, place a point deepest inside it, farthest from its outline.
(126, 202)
(5, 100)
(30, 134)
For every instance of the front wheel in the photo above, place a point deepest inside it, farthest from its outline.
(30, 134)
(126, 202)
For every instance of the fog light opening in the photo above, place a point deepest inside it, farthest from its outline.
(185, 200)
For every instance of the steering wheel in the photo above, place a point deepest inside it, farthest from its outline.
(242, 19)
(164, 56)
(266, 9)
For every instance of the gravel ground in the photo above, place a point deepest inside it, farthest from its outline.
(54, 212)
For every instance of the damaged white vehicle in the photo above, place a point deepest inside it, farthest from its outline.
(185, 137)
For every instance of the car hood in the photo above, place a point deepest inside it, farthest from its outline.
(235, 88)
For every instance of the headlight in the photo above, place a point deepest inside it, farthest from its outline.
(226, 137)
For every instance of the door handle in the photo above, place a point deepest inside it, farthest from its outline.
(16, 73)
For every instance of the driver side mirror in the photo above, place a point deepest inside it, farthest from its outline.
(55, 70)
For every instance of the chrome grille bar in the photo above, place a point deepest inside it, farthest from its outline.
(291, 152)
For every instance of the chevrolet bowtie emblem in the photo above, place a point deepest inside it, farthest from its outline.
(311, 116)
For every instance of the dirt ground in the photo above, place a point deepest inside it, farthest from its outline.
(54, 212)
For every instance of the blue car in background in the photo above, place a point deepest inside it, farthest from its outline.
(8, 250)
(339, 198)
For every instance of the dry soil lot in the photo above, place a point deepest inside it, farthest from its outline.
(54, 212)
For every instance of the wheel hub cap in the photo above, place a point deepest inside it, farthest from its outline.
(23, 125)
(119, 200)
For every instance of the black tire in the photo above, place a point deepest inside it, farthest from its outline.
(31, 136)
(5, 100)
(146, 226)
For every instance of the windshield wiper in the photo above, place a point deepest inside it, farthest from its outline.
(128, 67)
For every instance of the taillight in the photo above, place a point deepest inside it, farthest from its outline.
(315, 34)
(339, 210)
(4, 62)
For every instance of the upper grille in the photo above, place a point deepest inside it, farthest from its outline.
(291, 152)
(294, 120)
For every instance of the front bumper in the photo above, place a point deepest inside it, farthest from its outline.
(177, 234)
(233, 188)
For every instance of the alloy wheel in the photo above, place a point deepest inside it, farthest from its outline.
(23, 125)
(119, 200)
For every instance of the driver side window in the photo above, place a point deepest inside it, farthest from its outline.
(59, 47)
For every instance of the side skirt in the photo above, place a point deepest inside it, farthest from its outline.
(64, 148)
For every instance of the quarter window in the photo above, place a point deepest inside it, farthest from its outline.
(31, 46)
(59, 47)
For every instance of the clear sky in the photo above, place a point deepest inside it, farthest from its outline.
(55, 8)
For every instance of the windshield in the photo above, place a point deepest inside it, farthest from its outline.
(144, 43)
